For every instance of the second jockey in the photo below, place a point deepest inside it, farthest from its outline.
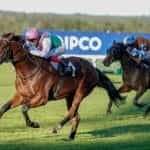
(142, 56)
(129, 41)
(50, 47)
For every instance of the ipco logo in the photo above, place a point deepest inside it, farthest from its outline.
(84, 43)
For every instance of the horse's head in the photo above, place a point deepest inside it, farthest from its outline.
(9, 47)
(114, 53)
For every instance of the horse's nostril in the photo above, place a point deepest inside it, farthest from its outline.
(106, 62)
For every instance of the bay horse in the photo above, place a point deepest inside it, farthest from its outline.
(36, 82)
(141, 40)
(135, 77)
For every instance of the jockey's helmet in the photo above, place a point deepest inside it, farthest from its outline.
(129, 40)
(32, 33)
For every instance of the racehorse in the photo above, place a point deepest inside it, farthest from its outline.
(140, 40)
(36, 82)
(135, 77)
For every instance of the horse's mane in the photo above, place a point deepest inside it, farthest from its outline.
(17, 38)
(123, 54)
(129, 60)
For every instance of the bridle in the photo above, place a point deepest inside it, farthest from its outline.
(15, 60)
(6, 57)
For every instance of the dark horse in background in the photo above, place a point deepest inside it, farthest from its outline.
(36, 82)
(141, 40)
(135, 77)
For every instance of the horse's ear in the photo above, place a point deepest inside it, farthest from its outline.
(10, 36)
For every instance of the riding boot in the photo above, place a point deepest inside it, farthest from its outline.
(65, 69)
(62, 68)
(59, 87)
(67, 72)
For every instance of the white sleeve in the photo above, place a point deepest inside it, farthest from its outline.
(46, 44)
(60, 50)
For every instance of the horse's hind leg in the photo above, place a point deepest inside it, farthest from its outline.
(70, 115)
(79, 94)
(29, 123)
(14, 102)
(124, 88)
(75, 119)
(75, 123)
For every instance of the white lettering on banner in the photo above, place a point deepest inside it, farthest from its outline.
(84, 43)
(73, 42)
(98, 43)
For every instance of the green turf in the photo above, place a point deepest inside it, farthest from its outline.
(125, 129)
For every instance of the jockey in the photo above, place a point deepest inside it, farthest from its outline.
(129, 41)
(142, 55)
(141, 52)
(50, 47)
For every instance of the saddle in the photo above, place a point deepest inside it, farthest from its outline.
(68, 68)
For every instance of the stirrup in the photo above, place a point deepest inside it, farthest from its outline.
(73, 69)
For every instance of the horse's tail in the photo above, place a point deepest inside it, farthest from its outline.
(106, 83)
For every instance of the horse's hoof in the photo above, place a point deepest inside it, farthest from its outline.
(108, 113)
(123, 101)
(71, 137)
(34, 125)
(68, 139)
(140, 105)
(53, 131)
(145, 115)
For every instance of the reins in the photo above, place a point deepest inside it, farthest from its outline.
(16, 60)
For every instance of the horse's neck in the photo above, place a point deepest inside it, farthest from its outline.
(126, 63)
(25, 65)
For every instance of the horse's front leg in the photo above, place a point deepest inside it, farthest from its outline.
(29, 123)
(109, 111)
(72, 114)
(124, 88)
(14, 102)
(36, 101)
(137, 97)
